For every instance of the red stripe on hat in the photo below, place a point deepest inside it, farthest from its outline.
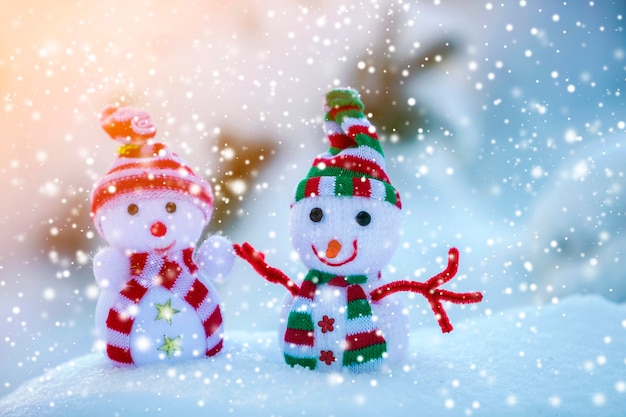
(354, 164)
(150, 164)
(120, 355)
(142, 183)
(213, 323)
(364, 129)
(362, 187)
(333, 112)
(197, 293)
(119, 322)
(168, 274)
(312, 187)
(133, 290)
(341, 141)
(363, 340)
(299, 337)
(215, 349)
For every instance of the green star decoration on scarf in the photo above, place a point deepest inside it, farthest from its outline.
(165, 311)
(171, 346)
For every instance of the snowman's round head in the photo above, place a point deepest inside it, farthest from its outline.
(345, 216)
(159, 224)
(149, 199)
(345, 235)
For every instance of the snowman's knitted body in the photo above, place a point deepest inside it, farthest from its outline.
(334, 324)
(156, 303)
(164, 310)
(345, 225)
(362, 334)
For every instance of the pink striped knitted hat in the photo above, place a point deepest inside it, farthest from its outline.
(144, 168)
(354, 165)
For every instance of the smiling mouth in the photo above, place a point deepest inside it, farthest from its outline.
(165, 249)
(325, 260)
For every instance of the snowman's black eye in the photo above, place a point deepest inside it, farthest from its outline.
(133, 209)
(363, 218)
(170, 207)
(316, 215)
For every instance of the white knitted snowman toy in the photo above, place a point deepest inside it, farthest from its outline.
(155, 303)
(345, 226)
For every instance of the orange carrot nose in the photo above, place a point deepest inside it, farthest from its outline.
(333, 249)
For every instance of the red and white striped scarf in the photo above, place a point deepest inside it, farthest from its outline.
(176, 273)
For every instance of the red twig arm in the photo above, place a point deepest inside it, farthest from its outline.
(257, 260)
(433, 294)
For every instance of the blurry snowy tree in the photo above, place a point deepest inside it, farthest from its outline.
(383, 77)
(65, 235)
(240, 162)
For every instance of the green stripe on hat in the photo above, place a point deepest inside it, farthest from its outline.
(391, 195)
(300, 189)
(341, 97)
(363, 139)
(332, 171)
(341, 114)
(344, 186)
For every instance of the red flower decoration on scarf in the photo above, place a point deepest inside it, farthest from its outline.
(326, 324)
(327, 356)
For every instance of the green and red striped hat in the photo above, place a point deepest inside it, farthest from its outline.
(354, 165)
(145, 168)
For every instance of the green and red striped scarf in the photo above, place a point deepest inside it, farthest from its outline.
(365, 345)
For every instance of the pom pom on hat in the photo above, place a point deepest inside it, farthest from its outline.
(354, 165)
(145, 168)
(127, 125)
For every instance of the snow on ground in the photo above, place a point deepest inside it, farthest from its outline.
(563, 359)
